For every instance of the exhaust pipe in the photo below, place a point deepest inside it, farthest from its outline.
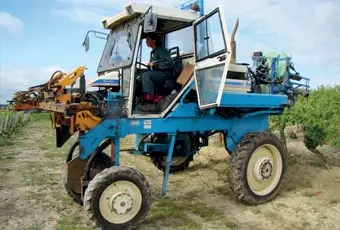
(233, 43)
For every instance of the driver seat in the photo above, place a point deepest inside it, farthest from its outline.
(165, 101)
(166, 88)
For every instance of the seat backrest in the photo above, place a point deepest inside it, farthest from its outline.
(174, 52)
(177, 68)
(186, 73)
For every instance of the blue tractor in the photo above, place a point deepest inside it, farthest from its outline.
(209, 93)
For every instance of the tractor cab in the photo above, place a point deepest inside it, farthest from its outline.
(198, 46)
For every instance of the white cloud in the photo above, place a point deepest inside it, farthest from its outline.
(16, 79)
(13, 24)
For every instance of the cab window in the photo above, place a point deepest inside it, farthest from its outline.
(144, 52)
(182, 38)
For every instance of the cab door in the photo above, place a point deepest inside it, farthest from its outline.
(212, 57)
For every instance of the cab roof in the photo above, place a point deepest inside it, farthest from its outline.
(135, 9)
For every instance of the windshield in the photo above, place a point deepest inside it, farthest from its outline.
(119, 47)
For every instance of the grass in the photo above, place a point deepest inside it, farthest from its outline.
(40, 116)
(334, 201)
(3, 113)
(186, 212)
(71, 222)
(164, 208)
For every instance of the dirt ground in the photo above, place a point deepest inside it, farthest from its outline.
(32, 196)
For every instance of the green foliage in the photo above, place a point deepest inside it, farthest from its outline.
(10, 122)
(40, 116)
(319, 114)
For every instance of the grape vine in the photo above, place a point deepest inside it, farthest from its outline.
(319, 114)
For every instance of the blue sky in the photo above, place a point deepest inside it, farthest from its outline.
(38, 37)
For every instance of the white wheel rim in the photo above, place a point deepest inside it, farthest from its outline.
(120, 202)
(264, 169)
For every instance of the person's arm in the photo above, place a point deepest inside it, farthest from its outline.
(163, 60)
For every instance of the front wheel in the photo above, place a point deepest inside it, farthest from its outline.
(118, 198)
(257, 168)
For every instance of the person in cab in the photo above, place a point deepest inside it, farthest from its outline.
(161, 65)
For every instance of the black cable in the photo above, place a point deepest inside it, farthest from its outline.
(140, 143)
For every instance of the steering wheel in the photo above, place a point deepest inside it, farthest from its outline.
(140, 63)
(140, 70)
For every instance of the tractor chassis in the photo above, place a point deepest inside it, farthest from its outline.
(233, 129)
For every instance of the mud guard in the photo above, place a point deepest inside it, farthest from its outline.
(256, 123)
(75, 170)
(90, 141)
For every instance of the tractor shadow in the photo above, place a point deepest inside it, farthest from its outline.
(305, 169)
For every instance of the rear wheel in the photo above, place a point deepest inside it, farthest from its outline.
(118, 198)
(257, 168)
(182, 155)
(177, 164)
(100, 162)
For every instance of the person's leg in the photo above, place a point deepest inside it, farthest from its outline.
(149, 79)
(159, 77)
(147, 83)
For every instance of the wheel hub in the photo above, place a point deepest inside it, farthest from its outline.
(263, 169)
(121, 203)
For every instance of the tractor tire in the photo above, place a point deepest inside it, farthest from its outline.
(257, 168)
(178, 163)
(101, 161)
(117, 198)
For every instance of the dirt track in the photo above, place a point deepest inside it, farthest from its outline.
(32, 197)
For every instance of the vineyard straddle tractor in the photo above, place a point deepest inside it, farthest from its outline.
(207, 93)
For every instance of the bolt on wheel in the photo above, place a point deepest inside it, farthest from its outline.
(264, 169)
(118, 198)
(120, 202)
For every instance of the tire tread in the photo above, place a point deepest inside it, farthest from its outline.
(238, 162)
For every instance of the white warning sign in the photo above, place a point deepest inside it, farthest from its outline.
(147, 124)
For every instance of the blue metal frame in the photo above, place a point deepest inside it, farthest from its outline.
(168, 163)
(253, 100)
(186, 117)
(119, 128)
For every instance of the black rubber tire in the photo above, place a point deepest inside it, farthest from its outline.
(106, 178)
(160, 163)
(238, 162)
(101, 161)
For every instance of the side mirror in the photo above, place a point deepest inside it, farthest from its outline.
(150, 23)
(86, 43)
